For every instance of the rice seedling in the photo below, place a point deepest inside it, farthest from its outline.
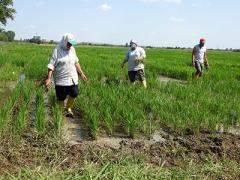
(56, 113)
(19, 121)
(108, 101)
(6, 110)
(40, 112)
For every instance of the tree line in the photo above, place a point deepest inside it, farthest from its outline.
(7, 36)
(6, 12)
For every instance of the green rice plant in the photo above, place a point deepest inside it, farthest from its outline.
(19, 121)
(92, 117)
(58, 119)
(130, 124)
(6, 110)
(56, 113)
(40, 112)
(109, 121)
(103, 99)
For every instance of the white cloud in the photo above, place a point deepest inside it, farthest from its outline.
(164, 1)
(176, 19)
(105, 7)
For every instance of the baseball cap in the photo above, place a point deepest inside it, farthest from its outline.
(133, 42)
(202, 40)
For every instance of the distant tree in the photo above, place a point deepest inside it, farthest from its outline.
(10, 35)
(51, 42)
(35, 40)
(6, 11)
(3, 37)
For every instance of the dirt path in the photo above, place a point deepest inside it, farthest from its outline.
(72, 133)
(74, 129)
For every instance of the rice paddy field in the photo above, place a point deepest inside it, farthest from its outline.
(177, 128)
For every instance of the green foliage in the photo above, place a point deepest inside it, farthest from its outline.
(196, 104)
(57, 113)
(19, 122)
(10, 35)
(7, 36)
(109, 103)
(6, 11)
(128, 166)
(3, 37)
(40, 112)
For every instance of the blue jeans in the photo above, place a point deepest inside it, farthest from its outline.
(199, 68)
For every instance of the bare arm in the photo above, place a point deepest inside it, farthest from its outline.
(79, 70)
(206, 60)
(124, 61)
(193, 60)
(49, 76)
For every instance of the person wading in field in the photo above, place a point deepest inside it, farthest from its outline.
(199, 58)
(135, 58)
(64, 66)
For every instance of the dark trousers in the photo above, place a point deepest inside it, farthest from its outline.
(199, 68)
(136, 75)
(63, 91)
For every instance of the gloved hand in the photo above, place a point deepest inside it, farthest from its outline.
(139, 59)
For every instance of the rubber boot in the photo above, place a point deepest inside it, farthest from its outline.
(197, 77)
(144, 83)
(70, 102)
(133, 83)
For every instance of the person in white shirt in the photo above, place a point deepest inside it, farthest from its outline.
(64, 66)
(135, 58)
(199, 58)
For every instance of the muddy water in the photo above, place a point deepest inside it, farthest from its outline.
(165, 80)
(74, 130)
(5, 90)
(21, 78)
(7, 86)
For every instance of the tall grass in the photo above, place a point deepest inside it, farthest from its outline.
(7, 109)
(197, 104)
(108, 102)
(19, 121)
(57, 114)
(40, 112)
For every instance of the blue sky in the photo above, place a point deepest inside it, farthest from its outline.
(150, 22)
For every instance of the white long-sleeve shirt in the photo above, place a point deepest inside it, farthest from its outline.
(62, 63)
(131, 56)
